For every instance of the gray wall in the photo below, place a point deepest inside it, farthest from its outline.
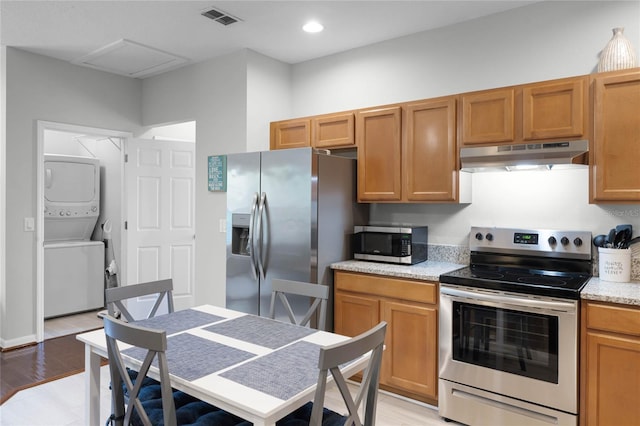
(232, 99)
(40, 88)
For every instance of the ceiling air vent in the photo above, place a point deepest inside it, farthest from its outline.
(220, 17)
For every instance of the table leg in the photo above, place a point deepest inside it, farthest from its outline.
(92, 386)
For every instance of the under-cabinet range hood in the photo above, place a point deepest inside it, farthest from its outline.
(552, 155)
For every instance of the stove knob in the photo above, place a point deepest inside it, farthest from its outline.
(552, 241)
(489, 237)
(577, 241)
(564, 241)
(478, 236)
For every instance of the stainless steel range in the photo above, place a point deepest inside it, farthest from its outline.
(508, 328)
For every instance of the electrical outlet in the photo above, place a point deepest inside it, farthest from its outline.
(223, 225)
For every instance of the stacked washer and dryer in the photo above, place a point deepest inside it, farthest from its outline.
(73, 263)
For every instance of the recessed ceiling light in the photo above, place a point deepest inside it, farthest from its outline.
(313, 27)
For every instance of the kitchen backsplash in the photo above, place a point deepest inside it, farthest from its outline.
(460, 254)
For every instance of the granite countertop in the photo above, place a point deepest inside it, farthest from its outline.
(428, 271)
(613, 292)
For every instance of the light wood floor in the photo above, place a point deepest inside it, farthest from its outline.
(61, 402)
(71, 324)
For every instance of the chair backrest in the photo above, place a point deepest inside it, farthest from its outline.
(332, 357)
(155, 342)
(115, 296)
(318, 294)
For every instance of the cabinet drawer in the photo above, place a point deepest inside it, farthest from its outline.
(398, 288)
(614, 318)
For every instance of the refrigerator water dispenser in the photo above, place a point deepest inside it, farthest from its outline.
(240, 234)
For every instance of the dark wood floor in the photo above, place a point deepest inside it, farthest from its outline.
(31, 365)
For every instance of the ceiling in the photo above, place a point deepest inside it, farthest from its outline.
(146, 37)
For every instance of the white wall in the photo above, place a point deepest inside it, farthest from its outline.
(539, 42)
(41, 88)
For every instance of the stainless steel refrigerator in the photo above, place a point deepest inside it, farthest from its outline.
(290, 214)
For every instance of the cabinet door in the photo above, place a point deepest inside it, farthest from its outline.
(411, 357)
(488, 117)
(555, 110)
(429, 157)
(290, 134)
(379, 151)
(333, 131)
(615, 153)
(355, 314)
(612, 380)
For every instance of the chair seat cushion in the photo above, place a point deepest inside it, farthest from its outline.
(190, 411)
(302, 415)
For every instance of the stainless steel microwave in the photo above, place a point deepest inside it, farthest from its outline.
(402, 245)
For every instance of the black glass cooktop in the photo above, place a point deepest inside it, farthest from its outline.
(566, 285)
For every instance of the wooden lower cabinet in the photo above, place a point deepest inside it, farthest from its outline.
(410, 360)
(610, 365)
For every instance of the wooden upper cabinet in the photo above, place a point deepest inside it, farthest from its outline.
(333, 131)
(378, 138)
(322, 131)
(614, 154)
(488, 116)
(555, 109)
(429, 155)
(290, 134)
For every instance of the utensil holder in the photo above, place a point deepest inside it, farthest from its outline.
(614, 264)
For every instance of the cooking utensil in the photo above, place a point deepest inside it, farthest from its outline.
(599, 240)
(624, 232)
(610, 238)
(631, 242)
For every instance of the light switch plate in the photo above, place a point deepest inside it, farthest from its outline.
(223, 225)
(29, 224)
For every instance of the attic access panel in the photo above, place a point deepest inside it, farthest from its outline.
(131, 59)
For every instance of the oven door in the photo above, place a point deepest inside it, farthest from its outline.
(519, 346)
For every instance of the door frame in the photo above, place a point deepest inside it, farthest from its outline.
(42, 126)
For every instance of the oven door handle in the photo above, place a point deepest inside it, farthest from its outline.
(521, 302)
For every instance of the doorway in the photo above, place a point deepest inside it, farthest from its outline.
(108, 146)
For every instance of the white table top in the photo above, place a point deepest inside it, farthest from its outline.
(254, 367)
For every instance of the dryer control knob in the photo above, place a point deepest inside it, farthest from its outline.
(68, 213)
(61, 213)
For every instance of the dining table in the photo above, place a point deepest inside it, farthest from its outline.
(255, 367)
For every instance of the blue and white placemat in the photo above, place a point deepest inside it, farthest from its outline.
(179, 321)
(191, 357)
(282, 373)
(261, 331)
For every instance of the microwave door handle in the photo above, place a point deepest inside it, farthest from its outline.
(260, 256)
(251, 245)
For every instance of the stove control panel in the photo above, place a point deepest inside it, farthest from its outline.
(538, 242)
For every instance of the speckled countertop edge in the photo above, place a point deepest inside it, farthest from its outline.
(429, 270)
(613, 292)
(447, 258)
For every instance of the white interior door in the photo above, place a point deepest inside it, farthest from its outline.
(160, 194)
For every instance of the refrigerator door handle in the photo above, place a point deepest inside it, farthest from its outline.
(263, 202)
(252, 251)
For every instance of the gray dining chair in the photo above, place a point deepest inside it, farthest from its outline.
(116, 296)
(330, 360)
(317, 293)
(150, 402)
